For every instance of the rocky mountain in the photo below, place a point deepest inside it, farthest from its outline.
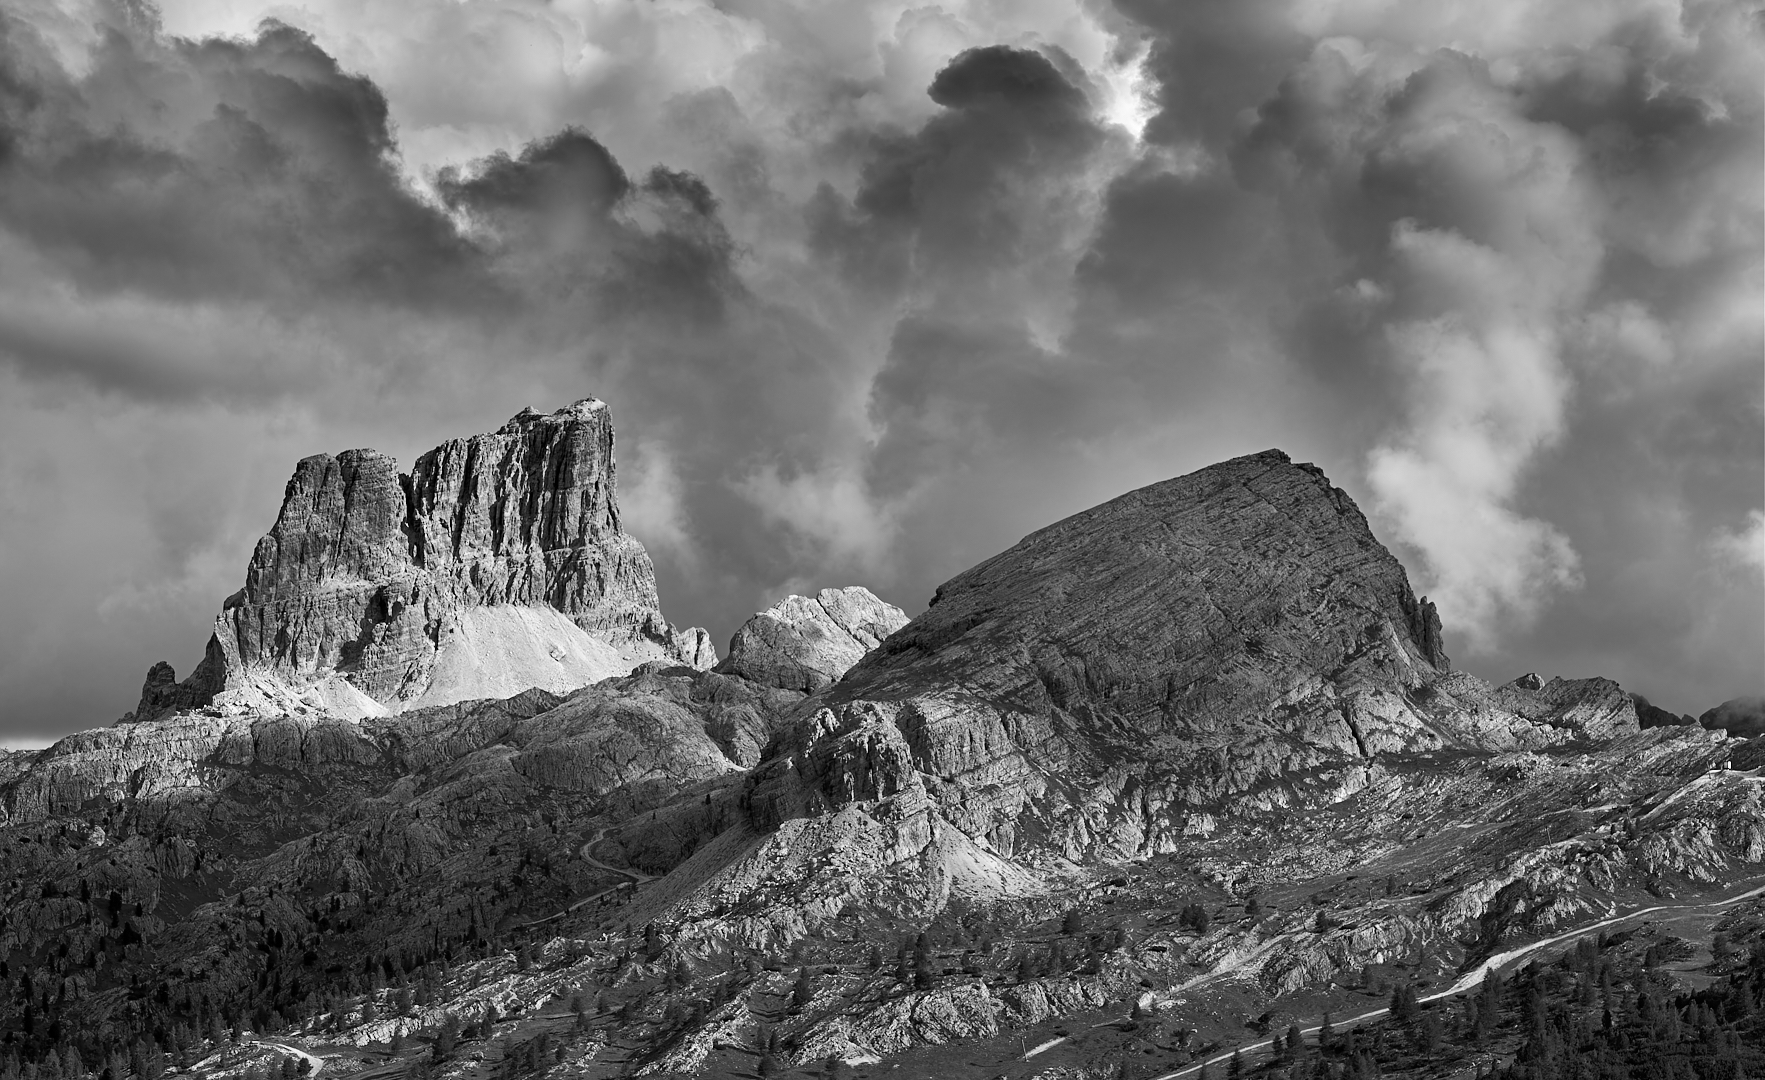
(806, 643)
(1229, 640)
(1180, 773)
(497, 564)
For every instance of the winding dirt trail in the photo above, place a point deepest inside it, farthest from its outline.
(638, 877)
(1470, 980)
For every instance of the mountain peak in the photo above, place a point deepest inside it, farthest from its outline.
(580, 410)
(1255, 547)
(1225, 638)
(497, 564)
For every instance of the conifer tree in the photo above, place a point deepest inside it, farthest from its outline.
(924, 977)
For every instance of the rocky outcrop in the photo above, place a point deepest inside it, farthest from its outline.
(498, 563)
(807, 643)
(1592, 708)
(1649, 715)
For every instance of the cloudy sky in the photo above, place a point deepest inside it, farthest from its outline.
(876, 288)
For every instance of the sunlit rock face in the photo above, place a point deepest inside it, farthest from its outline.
(807, 643)
(497, 564)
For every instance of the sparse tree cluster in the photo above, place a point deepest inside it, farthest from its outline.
(1194, 917)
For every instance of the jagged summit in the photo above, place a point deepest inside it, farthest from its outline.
(497, 564)
(579, 410)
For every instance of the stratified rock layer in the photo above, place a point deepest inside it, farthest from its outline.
(807, 643)
(411, 588)
(1198, 599)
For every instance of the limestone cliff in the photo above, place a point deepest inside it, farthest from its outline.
(496, 565)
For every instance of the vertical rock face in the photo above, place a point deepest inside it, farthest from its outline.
(332, 586)
(527, 515)
(807, 642)
(408, 588)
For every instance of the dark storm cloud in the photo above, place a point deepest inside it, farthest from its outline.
(248, 170)
(1018, 81)
(563, 215)
(255, 172)
(945, 200)
(872, 297)
(1012, 125)
(951, 222)
(948, 391)
(1212, 60)
(566, 173)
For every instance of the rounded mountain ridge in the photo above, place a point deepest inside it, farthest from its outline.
(1139, 671)
(1186, 585)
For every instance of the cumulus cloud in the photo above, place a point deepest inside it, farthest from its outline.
(653, 504)
(1743, 547)
(1490, 191)
(218, 171)
(876, 288)
(1480, 242)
